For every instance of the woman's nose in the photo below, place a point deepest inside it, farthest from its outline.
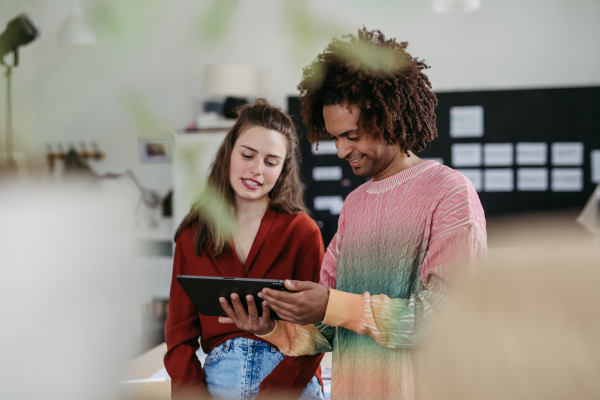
(256, 167)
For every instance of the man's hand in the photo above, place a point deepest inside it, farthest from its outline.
(306, 305)
(248, 322)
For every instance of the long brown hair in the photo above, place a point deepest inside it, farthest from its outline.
(285, 197)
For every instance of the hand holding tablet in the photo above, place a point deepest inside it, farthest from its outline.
(251, 321)
(205, 291)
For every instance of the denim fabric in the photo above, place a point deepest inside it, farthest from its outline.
(235, 369)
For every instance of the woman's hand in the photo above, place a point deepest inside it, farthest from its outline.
(250, 322)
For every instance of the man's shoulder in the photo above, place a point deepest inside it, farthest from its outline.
(450, 182)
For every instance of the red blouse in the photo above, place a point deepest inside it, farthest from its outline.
(287, 246)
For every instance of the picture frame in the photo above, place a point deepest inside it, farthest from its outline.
(155, 150)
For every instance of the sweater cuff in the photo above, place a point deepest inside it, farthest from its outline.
(343, 308)
(278, 336)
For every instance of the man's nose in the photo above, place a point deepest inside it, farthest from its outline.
(343, 148)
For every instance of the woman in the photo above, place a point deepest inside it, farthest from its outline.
(256, 170)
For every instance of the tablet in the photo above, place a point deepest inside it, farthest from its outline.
(204, 291)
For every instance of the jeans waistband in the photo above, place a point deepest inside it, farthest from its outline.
(244, 342)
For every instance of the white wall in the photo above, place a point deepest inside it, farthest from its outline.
(145, 75)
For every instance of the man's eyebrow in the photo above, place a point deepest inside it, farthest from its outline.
(345, 133)
(268, 155)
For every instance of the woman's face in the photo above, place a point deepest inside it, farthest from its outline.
(256, 162)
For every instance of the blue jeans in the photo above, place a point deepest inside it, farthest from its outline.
(235, 369)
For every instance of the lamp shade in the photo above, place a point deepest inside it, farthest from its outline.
(446, 6)
(75, 31)
(231, 79)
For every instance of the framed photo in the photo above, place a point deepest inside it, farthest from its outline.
(155, 150)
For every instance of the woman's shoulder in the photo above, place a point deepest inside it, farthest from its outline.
(299, 222)
(186, 235)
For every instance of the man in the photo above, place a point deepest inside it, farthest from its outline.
(402, 236)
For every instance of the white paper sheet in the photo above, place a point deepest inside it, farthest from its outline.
(532, 179)
(498, 180)
(466, 154)
(567, 180)
(532, 153)
(595, 161)
(567, 153)
(466, 121)
(474, 175)
(498, 154)
(327, 173)
(325, 148)
(333, 204)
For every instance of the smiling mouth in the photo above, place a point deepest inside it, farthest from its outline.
(251, 182)
(356, 160)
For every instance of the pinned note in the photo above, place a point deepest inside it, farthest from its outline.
(567, 153)
(466, 154)
(567, 180)
(333, 204)
(325, 148)
(532, 179)
(466, 121)
(532, 153)
(498, 180)
(327, 173)
(498, 154)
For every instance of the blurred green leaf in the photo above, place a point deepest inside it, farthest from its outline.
(144, 118)
(213, 206)
(309, 33)
(214, 21)
(123, 23)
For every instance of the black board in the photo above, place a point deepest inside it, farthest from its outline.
(510, 116)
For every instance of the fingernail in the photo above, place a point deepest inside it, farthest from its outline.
(234, 296)
(249, 298)
(288, 282)
(264, 303)
(260, 294)
(221, 299)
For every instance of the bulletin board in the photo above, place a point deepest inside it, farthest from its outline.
(524, 150)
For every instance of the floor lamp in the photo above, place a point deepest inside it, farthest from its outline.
(19, 31)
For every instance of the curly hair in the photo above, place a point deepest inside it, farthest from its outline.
(377, 75)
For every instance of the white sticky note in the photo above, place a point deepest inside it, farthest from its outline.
(466, 154)
(498, 180)
(567, 180)
(532, 179)
(440, 160)
(474, 175)
(333, 204)
(567, 153)
(466, 121)
(327, 173)
(498, 154)
(325, 148)
(532, 153)
(595, 161)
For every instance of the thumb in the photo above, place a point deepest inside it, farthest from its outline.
(297, 286)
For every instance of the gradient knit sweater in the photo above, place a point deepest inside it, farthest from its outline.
(400, 242)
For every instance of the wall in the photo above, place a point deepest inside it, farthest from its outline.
(144, 76)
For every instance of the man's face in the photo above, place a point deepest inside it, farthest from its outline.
(367, 156)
